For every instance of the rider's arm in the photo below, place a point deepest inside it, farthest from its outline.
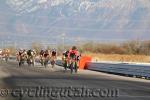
(69, 55)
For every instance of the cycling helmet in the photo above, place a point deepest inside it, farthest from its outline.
(74, 48)
(54, 49)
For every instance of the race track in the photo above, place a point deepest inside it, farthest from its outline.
(25, 78)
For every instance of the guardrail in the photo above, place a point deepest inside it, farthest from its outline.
(12, 57)
(123, 69)
(139, 71)
(59, 62)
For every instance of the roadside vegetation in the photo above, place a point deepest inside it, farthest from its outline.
(128, 48)
(130, 51)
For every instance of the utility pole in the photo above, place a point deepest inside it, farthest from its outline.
(2, 44)
(63, 38)
(78, 40)
(15, 45)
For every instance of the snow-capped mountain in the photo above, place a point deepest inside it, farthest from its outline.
(77, 6)
(88, 19)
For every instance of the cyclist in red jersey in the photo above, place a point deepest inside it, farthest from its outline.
(73, 55)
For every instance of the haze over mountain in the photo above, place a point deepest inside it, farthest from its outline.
(97, 20)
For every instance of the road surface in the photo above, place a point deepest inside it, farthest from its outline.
(22, 83)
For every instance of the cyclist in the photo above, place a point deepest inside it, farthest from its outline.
(53, 57)
(53, 53)
(31, 57)
(72, 55)
(46, 54)
(42, 57)
(65, 59)
(46, 57)
(41, 53)
(6, 54)
(21, 56)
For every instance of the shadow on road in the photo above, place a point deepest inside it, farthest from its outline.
(130, 89)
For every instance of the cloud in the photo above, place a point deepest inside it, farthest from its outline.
(41, 1)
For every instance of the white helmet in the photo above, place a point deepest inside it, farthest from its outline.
(1, 50)
(54, 49)
(21, 49)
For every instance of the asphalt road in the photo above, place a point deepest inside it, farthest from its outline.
(28, 83)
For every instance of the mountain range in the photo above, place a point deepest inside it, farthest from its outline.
(48, 21)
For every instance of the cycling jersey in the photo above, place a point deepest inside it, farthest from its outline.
(29, 52)
(20, 53)
(72, 54)
(53, 53)
(45, 55)
(42, 52)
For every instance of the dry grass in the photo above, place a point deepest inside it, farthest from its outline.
(118, 57)
(126, 48)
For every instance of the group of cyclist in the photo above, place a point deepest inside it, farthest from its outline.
(29, 56)
(70, 57)
(48, 55)
(4, 53)
(26, 55)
